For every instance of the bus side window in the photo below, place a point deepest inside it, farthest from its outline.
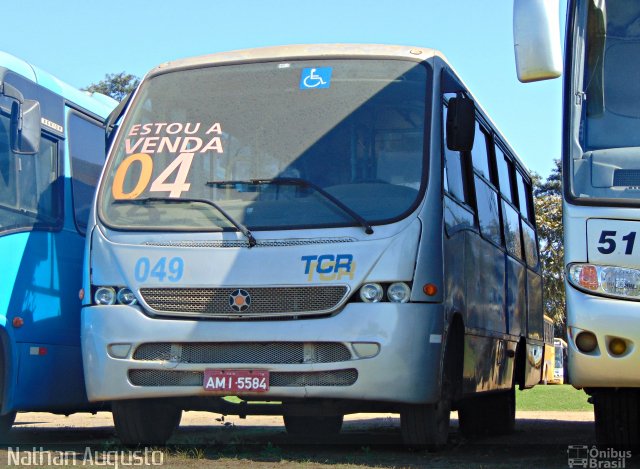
(87, 149)
(505, 169)
(479, 153)
(525, 198)
(8, 187)
(454, 181)
(488, 214)
(510, 217)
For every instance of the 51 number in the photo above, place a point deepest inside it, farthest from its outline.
(608, 242)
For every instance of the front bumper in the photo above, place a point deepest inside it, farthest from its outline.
(606, 318)
(405, 369)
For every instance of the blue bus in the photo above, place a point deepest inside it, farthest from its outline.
(52, 149)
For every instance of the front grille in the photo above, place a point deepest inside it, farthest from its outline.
(245, 352)
(160, 378)
(264, 301)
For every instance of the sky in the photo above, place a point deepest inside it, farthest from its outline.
(80, 41)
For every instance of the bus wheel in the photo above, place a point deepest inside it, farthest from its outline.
(617, 416)
(426, 426)
(313, 426)
(6, 423)
(145, 421)
(6, 420)
(490, 414)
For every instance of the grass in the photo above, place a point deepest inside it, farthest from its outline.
(553, 398)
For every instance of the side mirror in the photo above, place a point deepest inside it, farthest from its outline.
(25, 127)
(536, 39)
(461, 123)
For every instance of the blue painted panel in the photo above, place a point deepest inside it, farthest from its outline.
(53, 381)
(45, 287)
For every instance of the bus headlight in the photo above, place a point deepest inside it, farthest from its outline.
(126, 297)
(398, 292)
(619, 282)
(371, 292)
(105, 296)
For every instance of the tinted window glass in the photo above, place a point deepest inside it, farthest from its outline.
(479, 152)
(28, 195)
(524, 193)
(454, 180)
(488, 211)
(504, 171)
(86, 145)
(511, 222)
(530, 246)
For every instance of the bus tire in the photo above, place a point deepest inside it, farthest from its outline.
(617, 416)
(490, 414)
(6, 420)
(313, 426)
(426, 426)
(145, 421)
(6, 423)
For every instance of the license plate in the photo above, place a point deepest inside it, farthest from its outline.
(236, 380)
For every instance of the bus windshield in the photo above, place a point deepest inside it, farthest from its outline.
(267, 142)
(609, 130)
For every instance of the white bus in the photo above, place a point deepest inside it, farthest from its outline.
(329, 228)
(601, 189)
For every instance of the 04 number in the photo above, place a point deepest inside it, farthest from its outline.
(180, 166)
(607, 242)
(171, 269)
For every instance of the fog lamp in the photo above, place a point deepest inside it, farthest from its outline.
(617, 346)
(398, 292)
(105, 296)
(371, 292)
(586, 342)
(126, 297)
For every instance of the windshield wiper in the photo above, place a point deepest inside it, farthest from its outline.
(304, 183)
(147, 200)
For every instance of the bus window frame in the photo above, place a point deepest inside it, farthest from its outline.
(56, 223)
(100, 125)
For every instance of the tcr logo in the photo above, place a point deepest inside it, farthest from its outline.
(328, 267)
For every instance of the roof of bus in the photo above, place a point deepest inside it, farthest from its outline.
(295, 51)
(96, 103)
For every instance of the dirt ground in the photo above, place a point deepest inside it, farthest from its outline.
(541, 439)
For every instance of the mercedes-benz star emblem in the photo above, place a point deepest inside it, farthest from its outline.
(240, 300)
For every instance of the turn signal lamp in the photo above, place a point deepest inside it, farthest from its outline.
(430, 289)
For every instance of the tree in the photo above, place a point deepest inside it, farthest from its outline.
(116, 85)
(548, 202)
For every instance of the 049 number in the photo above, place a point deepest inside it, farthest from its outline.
(171, 269)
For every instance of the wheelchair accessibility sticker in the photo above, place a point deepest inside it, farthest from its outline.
(314, 78)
